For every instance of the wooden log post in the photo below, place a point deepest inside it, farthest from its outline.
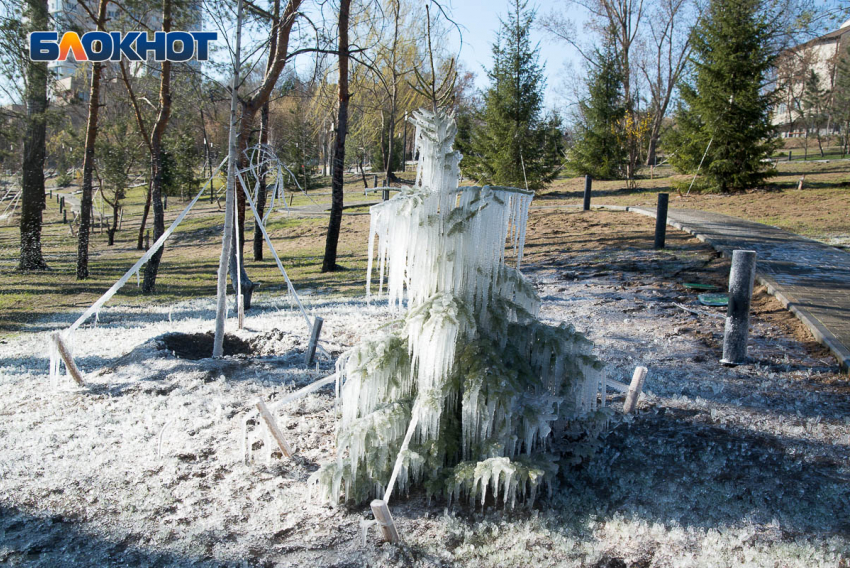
(314, 341)
(73, 370)
(385, 520)
(635, 389)
(267, 417)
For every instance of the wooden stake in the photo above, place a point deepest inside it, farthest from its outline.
(73, 370)
(273, 428)
(634, 390)
(314, 341)
(385, 520)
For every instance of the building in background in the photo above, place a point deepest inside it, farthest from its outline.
(71, 78)
(793, 69)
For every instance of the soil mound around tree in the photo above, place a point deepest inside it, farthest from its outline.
(197, 346)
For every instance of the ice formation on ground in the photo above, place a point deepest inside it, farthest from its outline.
(494, 390)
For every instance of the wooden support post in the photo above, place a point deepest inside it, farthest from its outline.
(314, 341)
(65, 217)
(73, 370)
(588, 183)
(267, 417)
(635, 388)
(385, 520)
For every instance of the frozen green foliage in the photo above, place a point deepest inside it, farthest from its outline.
(495, 392)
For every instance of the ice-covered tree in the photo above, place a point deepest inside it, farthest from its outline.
(495, 397)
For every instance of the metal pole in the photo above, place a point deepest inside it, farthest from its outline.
(741, 279)
(661, 220)
(789, 155)
(588, 182)
(386, 194)
(376, 180)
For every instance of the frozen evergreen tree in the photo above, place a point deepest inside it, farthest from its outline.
(511, 141)
(492, 390)
(598, 149)
(728, 100)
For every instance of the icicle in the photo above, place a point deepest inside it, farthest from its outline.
(470, 337)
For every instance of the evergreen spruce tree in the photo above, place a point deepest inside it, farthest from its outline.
(726, 102)
(840, 102)
(813, 103)
(511, 142)
(598, 149)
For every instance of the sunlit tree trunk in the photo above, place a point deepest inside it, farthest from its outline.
(32, 178)
(88, 159)
(329, 263)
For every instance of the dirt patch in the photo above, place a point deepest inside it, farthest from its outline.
(583, 246)
(196, 346)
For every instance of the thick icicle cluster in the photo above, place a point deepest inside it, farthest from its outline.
(493, 388)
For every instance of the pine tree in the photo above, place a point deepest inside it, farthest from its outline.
(598, 150)
(727, 103)
(840, 104)
(511, 142)
(813, 103)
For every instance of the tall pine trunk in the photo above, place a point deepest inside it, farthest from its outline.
(264, 139)
(32, 179)
(152, 267)
(329, 263)
(88, 159)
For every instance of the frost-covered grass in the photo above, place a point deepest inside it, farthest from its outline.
(721, 467)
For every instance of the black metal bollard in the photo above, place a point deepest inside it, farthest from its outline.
(661, 220)
(789, 155)
(62, 204)
(376, 180)
(588, 182)
(65, 216)
(741, 279)
(386, 194)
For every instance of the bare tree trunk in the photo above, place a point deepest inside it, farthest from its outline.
(152, 267)
(281, 30)
(32, 179)
(264, 139)
(329, 263)
(261, 186)
(88, 159)
(110, 231)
